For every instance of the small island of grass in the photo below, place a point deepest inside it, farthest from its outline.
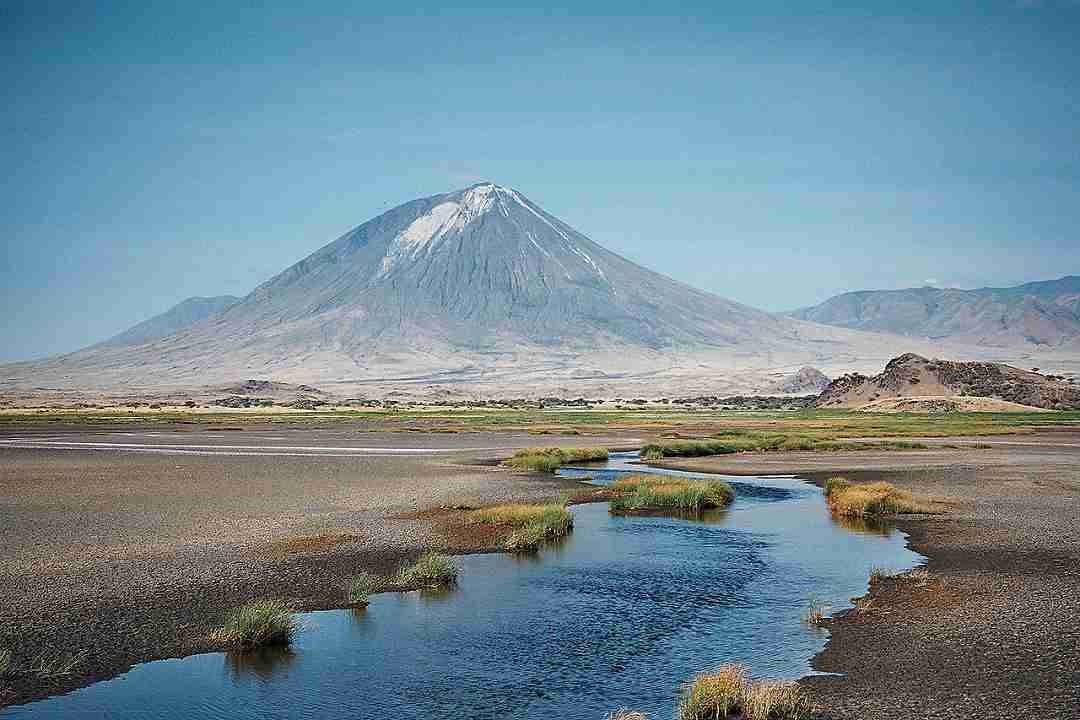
(876, 499)
(532, 525)
(642, 493)
(550, 459)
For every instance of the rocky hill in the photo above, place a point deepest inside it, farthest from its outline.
(1039, 314)
(932, 381)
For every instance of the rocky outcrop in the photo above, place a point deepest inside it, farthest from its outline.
(911, 375)
(807, 381)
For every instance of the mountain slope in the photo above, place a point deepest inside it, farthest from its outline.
(474, 290)
(1036, 314)
(176, 318)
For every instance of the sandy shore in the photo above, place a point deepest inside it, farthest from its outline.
(134, 542)
(994, 632)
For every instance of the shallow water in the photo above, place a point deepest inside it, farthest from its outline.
(618, 615)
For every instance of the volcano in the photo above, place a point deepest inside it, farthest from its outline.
(476, 285)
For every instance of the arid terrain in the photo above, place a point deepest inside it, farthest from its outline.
(132, 541)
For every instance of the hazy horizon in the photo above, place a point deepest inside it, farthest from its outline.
(773, 156)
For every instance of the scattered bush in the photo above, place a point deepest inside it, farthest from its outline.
(710, 696)
(266, 622)
(654, 492)
(879, 498)
(429, 571)
(551, 458)
(47, 666)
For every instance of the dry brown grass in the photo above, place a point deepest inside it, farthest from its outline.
(769, 700)
(727, 691)
(872, 499)
(715, 694)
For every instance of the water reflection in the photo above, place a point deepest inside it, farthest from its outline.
(866, 526)
(263, 664)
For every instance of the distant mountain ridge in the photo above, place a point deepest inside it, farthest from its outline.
(1044, 313)
(176, 318)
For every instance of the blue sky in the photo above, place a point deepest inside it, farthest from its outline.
(773, 153)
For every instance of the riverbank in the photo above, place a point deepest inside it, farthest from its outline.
(994, 630)
(135, 542)
(137, 552)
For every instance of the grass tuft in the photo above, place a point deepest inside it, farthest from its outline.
(550, 459)
(429, 571)
(626, 714)
(776, 701)
(715, 694)
(533, 525)
(871, 499)
(258, 624)
(5, 661)
(815, 613)
(364, 585)
(638, 493)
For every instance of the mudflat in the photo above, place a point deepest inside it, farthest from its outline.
(133, 543)
(993, 629)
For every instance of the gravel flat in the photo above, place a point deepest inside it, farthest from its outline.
(133, 544)
(994, 631)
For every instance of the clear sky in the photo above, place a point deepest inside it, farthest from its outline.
(774, 153)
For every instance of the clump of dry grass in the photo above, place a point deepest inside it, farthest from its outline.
(920, 576)
(727, 691)
(879, 573)
(660, 492)
(715, 694)
(550, 459)
(815, 613)
(871, 499)
(429, 571)
(768, 700)
(258, 624)
(5, 661)
(533, 525)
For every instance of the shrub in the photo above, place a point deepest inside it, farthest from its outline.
(776, 701)
(266, 622)
(551, 458)
(430, 570)
(714, 695)
(654, 492)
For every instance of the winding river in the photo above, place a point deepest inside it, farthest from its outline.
(618, 615)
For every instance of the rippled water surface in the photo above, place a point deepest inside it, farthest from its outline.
(618, 615)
